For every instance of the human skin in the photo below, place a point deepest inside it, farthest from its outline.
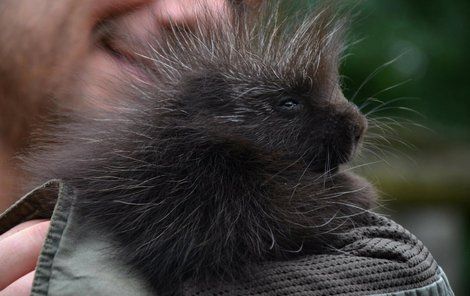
(19, 250)
(51, 58)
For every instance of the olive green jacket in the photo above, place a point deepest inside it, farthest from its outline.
(381, 259)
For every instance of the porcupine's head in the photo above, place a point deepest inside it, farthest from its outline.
(265, 82)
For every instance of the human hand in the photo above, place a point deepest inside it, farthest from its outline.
(19, 251)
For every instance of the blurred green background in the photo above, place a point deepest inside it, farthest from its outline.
(427, 185)
(422, 173)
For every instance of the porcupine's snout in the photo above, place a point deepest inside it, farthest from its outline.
(342, 132)
(359, 124)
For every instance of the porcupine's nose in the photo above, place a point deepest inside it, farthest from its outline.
(359, 124)
(349, 115)
(344, 127)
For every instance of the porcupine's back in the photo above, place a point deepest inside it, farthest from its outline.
(227, 153)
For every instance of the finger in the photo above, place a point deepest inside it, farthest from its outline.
(20, 227)
(21, 287)
(20, 251)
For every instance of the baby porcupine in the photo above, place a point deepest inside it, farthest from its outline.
(228, 152)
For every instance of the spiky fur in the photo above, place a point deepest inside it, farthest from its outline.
(203, 173)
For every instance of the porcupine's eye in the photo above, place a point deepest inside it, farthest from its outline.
(289, 104)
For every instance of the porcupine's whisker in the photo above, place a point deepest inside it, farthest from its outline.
(300, 178)
(374, 73)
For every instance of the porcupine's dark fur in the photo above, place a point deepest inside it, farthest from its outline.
(230, 157)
